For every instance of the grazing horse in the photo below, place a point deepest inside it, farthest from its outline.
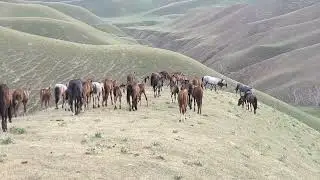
(133, 92)
(20, 96)
(142, 91)
(108, 88)
(60, 91)
(117, 95)
(97, 93)
(5, 106)
(197, 95)
(213, 81)
(242, 88)
(45, 96)
(87, 91)
(156, 81)
(251, 100)
(183, 102)
(174, 89)
(75, 95)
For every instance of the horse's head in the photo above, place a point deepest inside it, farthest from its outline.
(241, 100)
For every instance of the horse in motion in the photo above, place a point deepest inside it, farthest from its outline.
(20, 96)
(214, 82)
(183, 102)
(60, 92)
(75, 95)
(97, 93)
(5, 106)
(45, 96)
(133, 91)
(156, 81)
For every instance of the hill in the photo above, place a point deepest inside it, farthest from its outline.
(42, 62)
(225, 142)
(64, 30)
(271, 45)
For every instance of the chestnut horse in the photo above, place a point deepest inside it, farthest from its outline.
(174, 89)
(142, 91)
(197, 95)
(117, 94)
(133, 91)
(20, 96)
(87, 91)
(183, 102)
(5, 106)
(108, 88)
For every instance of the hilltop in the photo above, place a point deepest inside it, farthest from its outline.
(270, 45)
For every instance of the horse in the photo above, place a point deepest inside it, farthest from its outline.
(174, 89)
(117, 95)
(87, 91)
(97, 93)
(145, 79)
(133, 91)
(156, 81)
(108, 88)
(60, 91)
(242, 88)
(5, 106)
(20, 96)
(142, 91)
(131, 77)
(213, 81)
(197, 95)
(251, 100)
(75, 95)
(45, 96)
(183, 102)
(164, 74)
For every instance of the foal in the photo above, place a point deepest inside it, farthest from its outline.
(20, 96)
(45, 96)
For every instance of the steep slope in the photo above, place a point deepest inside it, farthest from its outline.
(29, 59)
(226, 141)
(233, 39)
(64, 30)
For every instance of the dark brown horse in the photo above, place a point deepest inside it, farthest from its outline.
(108, 88)
(87, 91)
(45, 96)
(142, 91)
(197, 95)
(251, 101)
(156, 81)
(5, 106)
(20, 96)
(183, 102)
(174, 89)
(117, 95)
(133, 91)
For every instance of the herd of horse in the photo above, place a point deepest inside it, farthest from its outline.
(77, 94)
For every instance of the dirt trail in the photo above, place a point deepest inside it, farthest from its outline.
(225, 142)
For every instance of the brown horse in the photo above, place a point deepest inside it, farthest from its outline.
(131, 78)
(142, 91)
(197, 95)
(174, 89)
(133, 91)
(117, 95)
(45, 96)
(20, 96)
(183, 102)
(108, 88)
(156, 81)
(5, 106)
(87, 91)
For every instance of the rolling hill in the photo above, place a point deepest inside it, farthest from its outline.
(271, 45)
(55, 24)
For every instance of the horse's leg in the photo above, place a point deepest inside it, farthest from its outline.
(171, 97)
(99, 100)
(146, 98)
(154, 91)
(107, 96)
(194, 105)
(24, 108)
(119, 102)
(111, 97)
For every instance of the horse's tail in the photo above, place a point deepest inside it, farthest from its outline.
(57, 94)
(129, 91)
(94, 89)
(255, 104)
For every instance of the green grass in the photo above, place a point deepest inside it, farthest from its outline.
(315, 111)
(64, 30)
(16, 130)
(47, 61)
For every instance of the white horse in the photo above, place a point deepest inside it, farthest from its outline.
(60, 92)
(98, 89)
(213, 81)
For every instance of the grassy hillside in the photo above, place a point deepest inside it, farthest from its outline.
(48, 61)
(64, 30)
(226, 141)
(241, 40)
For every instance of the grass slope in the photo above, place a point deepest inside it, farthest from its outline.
(42, 62)
(64, 30)
(225, 142)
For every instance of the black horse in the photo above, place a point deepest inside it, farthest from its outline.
(156, 81)
(75, 95)
(251, 101)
